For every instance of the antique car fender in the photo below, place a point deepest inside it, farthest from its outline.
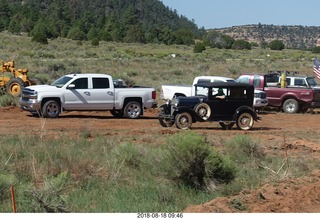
(191, 111)
(247, 109)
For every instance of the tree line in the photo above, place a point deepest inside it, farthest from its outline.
(140, 21)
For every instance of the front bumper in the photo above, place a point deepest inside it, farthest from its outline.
(315, 105)
(30, 105)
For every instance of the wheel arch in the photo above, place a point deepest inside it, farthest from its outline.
(57, 99)
(137, 99)
(244, 109)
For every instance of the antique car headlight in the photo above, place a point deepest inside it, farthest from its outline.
(168, 101)
(175, 102)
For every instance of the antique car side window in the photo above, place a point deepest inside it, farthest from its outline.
(238, 93)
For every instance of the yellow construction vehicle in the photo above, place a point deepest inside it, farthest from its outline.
(13, 80)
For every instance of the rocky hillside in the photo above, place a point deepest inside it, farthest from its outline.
(292, 36)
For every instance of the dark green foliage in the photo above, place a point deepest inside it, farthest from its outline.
(194, 163)
(316, 49)
(276, 45)
(218, 40)
(76, 34)
(199, 47)
(95, 42)
(122, 21)
(241, 45)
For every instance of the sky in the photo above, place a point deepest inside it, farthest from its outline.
(221, 13)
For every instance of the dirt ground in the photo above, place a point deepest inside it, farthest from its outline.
(289, 135)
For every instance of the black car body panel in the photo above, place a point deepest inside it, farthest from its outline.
(238, 99)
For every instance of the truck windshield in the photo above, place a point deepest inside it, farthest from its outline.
(312, 82)
(61, 81)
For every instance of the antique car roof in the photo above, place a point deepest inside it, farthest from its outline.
(223, 84)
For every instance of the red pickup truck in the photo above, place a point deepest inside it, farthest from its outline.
(291, 99)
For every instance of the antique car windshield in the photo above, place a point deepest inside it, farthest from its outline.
(61, 81)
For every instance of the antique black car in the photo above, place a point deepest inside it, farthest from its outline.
(223, 102)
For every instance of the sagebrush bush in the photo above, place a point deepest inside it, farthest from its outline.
(9, 100)
(243, 148)
(193, 162)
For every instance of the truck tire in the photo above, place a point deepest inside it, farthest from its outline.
(14, 87)
(183, 120)
(132, 110)
(51, 109)
(117, 113)
(290, 106)
(245, 121)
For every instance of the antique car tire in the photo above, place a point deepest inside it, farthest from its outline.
(203, 110)
(226, 125)
(51, 109)
(290, 106)
(183, 120)
(133, 110)
(117, 113)
(166, 122)
(14, 86)
(245, 121)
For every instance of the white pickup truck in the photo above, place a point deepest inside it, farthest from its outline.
(87, 92)
(170, 91)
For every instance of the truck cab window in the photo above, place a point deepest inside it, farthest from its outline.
(100, 83)
(81, 83)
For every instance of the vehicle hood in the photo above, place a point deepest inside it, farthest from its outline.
(40, 88)
(190, 101)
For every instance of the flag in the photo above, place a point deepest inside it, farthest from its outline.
(316, 68)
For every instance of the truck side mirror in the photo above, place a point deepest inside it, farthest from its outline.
(71, 86)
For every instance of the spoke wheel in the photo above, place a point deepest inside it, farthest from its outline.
(183, 120)
(226, 125)
(166, 122)
(203, 110)
(245, 121)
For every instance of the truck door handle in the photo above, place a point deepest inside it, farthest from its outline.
(87, 93)
(110, 93)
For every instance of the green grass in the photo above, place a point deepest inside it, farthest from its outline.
(112, 175)
(115, 175)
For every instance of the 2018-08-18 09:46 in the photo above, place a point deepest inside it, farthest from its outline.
(159, 215)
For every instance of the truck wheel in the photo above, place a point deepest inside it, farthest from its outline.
(51, 109)
(165, 122)
(133, 110)
(226, 125)
(117, 113)
(245, 121)
(290, 106)
(203, 110)
(183, 120)
(14, 87)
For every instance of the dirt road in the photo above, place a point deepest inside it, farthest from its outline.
(299, 133)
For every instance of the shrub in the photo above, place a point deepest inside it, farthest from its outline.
(199, 47)
(276, 45)
(243, 147)
(194, 163)
(9, 100)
